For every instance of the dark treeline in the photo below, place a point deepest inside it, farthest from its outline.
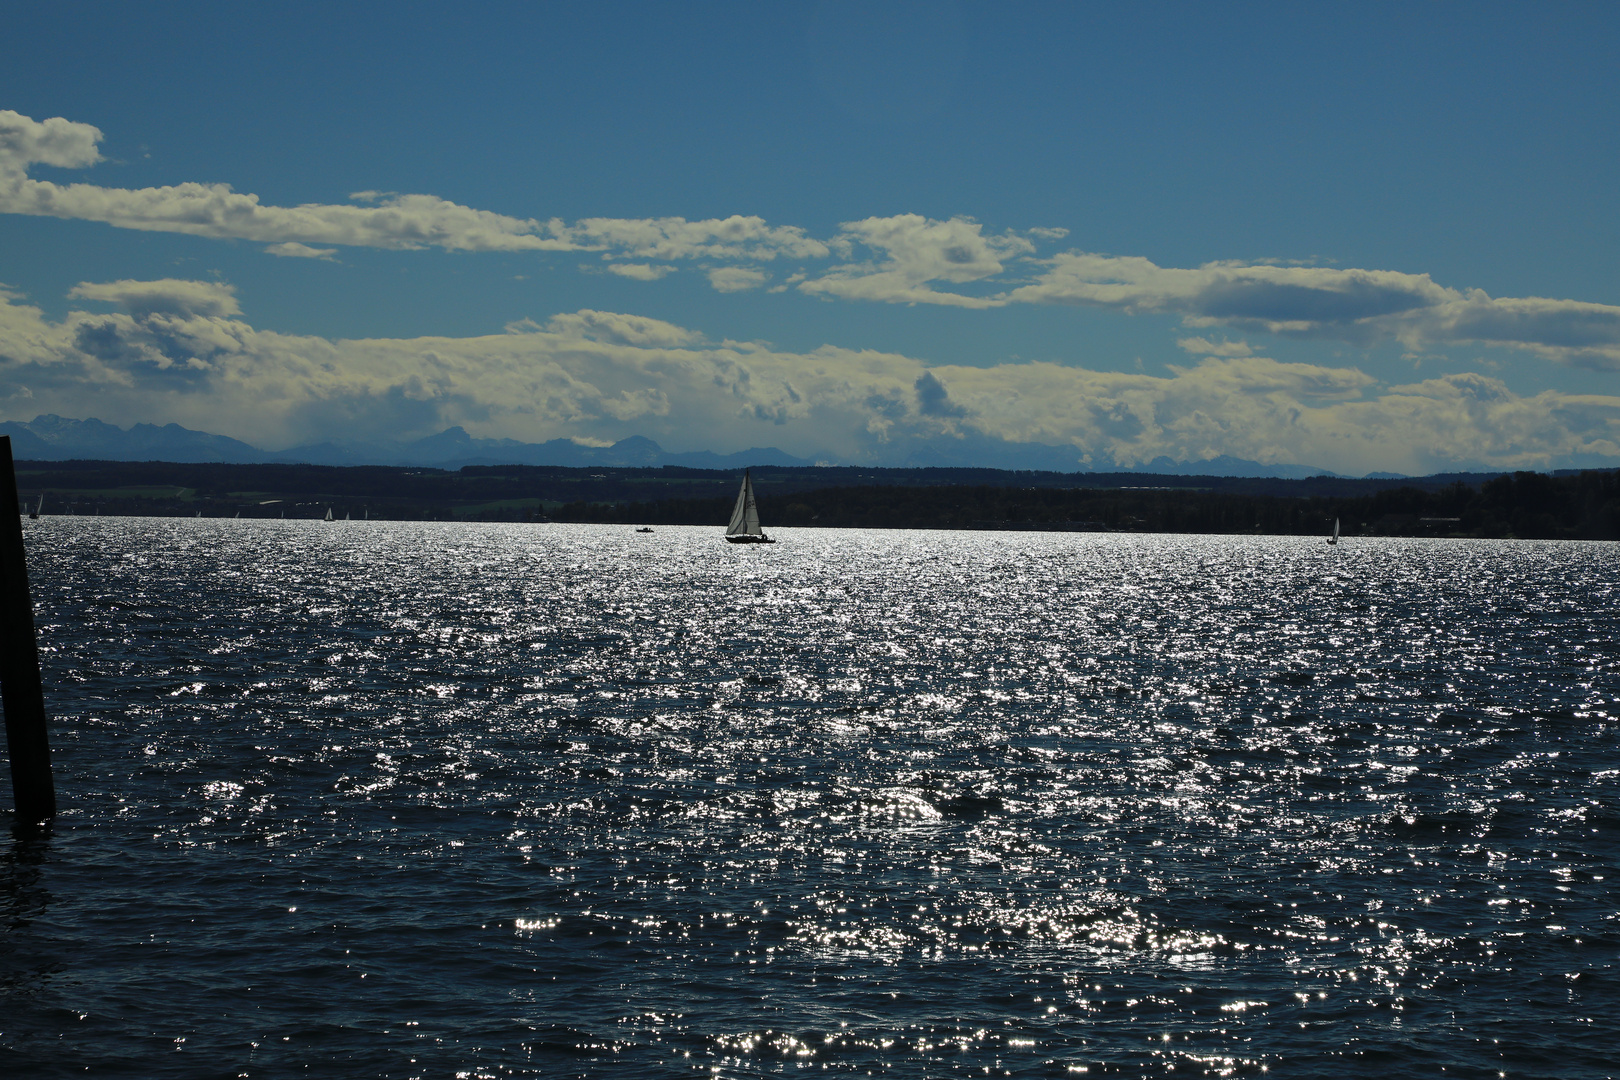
(1573, 505)
(1527, 505)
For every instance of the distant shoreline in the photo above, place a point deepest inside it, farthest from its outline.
(1566, 505)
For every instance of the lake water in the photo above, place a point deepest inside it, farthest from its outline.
(371, 799)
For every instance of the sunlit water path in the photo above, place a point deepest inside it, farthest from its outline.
(370, 799)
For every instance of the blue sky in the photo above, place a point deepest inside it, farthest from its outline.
(1360, 237)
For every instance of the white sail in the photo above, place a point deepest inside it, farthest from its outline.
(1335, 528)
(744, 526)
(745, 515)
(328, 513)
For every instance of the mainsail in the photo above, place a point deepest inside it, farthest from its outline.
(745, 515)
(744, 527)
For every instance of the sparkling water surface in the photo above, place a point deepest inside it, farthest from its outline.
(370, 799)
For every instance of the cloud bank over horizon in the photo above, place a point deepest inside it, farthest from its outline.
(897, 259)
(175, 350)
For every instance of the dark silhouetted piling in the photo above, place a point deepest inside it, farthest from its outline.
(21, 691)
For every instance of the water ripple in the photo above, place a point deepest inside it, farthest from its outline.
(368, 799)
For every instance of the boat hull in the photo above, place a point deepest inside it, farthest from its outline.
(747, 539)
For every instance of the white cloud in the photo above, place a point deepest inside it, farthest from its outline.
(59, 142)
(1279, 299)
(611, 327)
(906, 258)
(1356, 306)
(1204, 347)
(168, 296)
(217, 211)
(734, 237)
(178, 351)
(1261, 410)
(737, 278)
(640, 271)
(390, 220)
(294, 250)
(1568, 331)
(916, 251)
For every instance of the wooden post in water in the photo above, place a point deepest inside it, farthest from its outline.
(21, 690)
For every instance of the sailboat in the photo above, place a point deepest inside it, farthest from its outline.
(33, 515)
(744, 527)
(1334, 539)
(328, 513)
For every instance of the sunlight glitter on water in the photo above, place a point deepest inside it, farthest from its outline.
(572, 801)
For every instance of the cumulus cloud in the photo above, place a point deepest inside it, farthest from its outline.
(734, 237)
(1263, 410)
(905, 258)
(1356, 306)
(933, 399)
(166, 296)
(169, 329)
(1586, 335)
(640, 271)
(1278, 299)
(737, 278)
(913, 253)
(387, 220)
(611, 327)
(179, 351)
(59, 142)
(294, 250)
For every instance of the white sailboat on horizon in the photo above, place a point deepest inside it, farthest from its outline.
(1334, 539)
(744, 527)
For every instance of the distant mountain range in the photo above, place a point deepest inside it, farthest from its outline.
(56, 438)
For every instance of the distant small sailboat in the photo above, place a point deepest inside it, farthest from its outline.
(328, 513)
(645, 528)
(33, 515)
(744, 527)
(348, 515)
(1334, 539)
